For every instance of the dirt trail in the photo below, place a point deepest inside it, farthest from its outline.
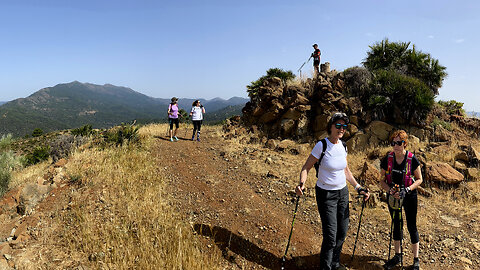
(246, 215)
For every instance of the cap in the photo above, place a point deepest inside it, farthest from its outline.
(314, 45)
(338, 116)
(174, 99)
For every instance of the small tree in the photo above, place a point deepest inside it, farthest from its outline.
(37, 132)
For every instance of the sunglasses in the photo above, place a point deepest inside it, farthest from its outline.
(393, 143)
(339, 126)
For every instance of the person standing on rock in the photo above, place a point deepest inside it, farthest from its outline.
(401, 186)
(331, 189)
(197, 117)
(316, 59)
(173, 118)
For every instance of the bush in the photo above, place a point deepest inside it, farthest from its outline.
(357, 81)
(39, 154)
(392, 92)
(8, 162)
(84, 131)
(63, 146)
(398, 57)
(452, 107)
(37, 132)
(125, 133)
(285, 76)
(446, 125)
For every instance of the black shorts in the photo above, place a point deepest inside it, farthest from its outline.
(316, 63)
(173, 120)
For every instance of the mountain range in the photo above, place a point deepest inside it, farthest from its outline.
(75, 104)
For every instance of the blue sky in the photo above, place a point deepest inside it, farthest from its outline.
(215, 48)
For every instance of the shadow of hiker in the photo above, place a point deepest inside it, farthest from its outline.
(227, 240)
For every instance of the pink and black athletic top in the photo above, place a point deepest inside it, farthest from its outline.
(173, 111)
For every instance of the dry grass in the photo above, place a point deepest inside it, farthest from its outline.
(121, 217)
(28, 174)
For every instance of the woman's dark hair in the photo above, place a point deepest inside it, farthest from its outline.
(195, 102)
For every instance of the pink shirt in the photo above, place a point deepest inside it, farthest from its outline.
(173, 111)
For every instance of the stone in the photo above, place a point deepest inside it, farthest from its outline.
(287, 126)
(292, 114)
(380, 130)
(462, 156)
(272, 144)
(458, 165)
(472, 174)
(440, 172)
(285, 144)
(370, 176)
(302, 126)
(320, 123)
(465, 260)
(358, 142)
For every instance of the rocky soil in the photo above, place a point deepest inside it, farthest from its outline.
(239, 199)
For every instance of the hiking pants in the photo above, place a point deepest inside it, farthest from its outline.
(197, 124)
(334, 213)
(410, 203)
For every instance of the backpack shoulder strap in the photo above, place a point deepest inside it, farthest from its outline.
(324, 148)
(388, 173)
(408, 164)
(344, 145)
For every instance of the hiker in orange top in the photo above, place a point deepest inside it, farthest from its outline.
(316, 59)
(402, 176)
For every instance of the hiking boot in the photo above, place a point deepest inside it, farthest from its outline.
(193, 138)
(393, 261)
(338, 266)
(171, 139)
(176, 139)
(198, 139)
(416, 264)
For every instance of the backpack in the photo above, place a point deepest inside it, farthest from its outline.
(407, 171)
(324, 145)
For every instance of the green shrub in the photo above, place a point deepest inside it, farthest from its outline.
(84, 131)
(125, 133)
(398, 57)
(37, 132)
(8, 162)
(452, 107)
(39, 154)
(446, 125)
(393, 92)
(5, 142)
(285, 76)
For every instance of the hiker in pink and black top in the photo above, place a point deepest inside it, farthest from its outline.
(173, 118)
(402, 176)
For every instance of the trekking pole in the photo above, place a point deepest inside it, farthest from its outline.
(300, 69)
(401, 236)
(290, 236)
(358, 229)
(391, 232)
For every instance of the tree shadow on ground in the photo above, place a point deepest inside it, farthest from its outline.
(227, 240)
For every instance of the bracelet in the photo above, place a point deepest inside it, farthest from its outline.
(357, 186)
(408, 189)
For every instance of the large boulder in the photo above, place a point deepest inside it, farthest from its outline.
(287, 126)
(443, 173)
(358, 142)
(380, 129)
(320, 123)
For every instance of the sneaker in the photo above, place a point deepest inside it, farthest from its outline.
(198, 139)
(171, 139)
(393, 261)
(176, 139)
(193, 138)
(416, 264)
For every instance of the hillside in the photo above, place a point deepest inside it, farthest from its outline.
(225, 203)
(75, 104)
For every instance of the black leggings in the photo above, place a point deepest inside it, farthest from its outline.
(410, 203)
(197, 125)
(173, 121)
